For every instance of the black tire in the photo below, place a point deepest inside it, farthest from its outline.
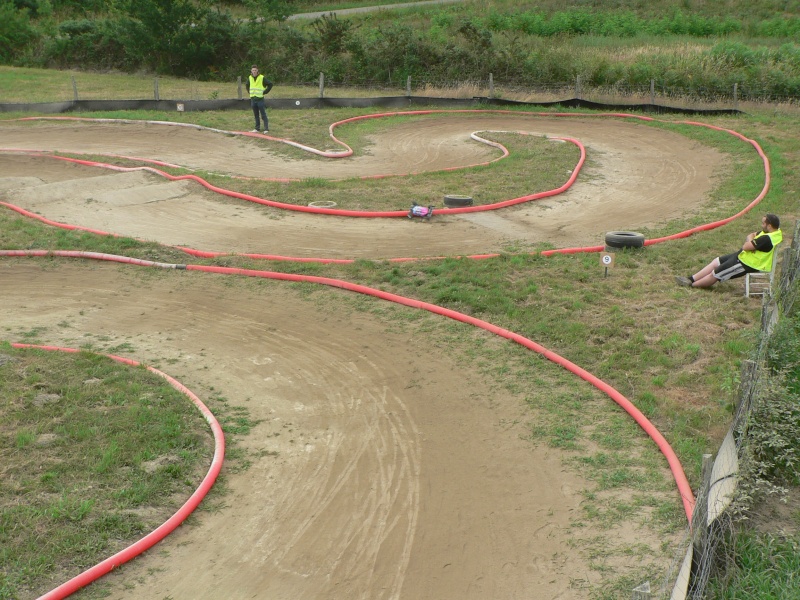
(624, 239)
(454, 201)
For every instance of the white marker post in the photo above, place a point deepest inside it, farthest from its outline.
(607, 260)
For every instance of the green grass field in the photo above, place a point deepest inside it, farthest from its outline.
(621, 328)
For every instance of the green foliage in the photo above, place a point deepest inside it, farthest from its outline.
(16, 31)
(333, 35)
(772, 453)
(622, 24)
(161, 29)
(88, 42)
(764, 566)
(268, 10)
(771, 437)
(550, 43)
(163, 36)
(781, 27)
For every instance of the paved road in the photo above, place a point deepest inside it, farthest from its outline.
(362, 9)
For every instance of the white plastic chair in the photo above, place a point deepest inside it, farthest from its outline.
(757, 284)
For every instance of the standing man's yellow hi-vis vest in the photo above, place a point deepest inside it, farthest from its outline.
(257, 86)
(758, 259)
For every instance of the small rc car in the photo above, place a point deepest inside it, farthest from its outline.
(423, 212)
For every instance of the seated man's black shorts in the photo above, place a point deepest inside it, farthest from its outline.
(730, 267)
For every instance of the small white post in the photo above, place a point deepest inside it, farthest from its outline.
(321, 85)
(491, 86)
(408, 87)
(239, 85)
(155, 89)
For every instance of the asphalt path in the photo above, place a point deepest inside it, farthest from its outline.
(363, 9)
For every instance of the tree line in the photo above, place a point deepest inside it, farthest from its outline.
(204, 40)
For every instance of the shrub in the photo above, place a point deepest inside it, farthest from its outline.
(734, 54)
(333, 35)
(85, 43)
(16, 31)
(771, 440)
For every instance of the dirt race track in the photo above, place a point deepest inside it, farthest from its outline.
(398, 475)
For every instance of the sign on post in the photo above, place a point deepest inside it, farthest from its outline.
(607, 260)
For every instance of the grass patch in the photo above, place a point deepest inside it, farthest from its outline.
(766, 566)
(96, 455)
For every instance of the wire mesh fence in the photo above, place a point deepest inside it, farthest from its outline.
(69, 86)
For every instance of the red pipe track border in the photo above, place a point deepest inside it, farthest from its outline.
(162, 531)
(684, 489)
(683, 485)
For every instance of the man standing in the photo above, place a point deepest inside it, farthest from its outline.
(258, 87)
(755, 255)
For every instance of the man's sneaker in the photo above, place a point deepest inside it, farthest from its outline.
(684, 281)
(266, 131)
(254, 131)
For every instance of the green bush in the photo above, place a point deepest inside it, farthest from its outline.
(85, 43)
(783, 354)
(770, 440)
(16, 31)
(788, 27)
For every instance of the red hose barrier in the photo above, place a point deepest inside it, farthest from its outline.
(158, 534)
(682, 483)
(340, 212)
(745, 210)
(684, 489)
(687, 497)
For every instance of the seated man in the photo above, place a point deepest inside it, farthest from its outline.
(755, 255)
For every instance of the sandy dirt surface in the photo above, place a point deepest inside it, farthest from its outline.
(639, 176)
(381, 468)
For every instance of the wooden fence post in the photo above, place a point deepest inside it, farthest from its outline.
(155, 89)
(321, 85)
(747, 385)
(239, 86)
(491, 86)
(408, 87)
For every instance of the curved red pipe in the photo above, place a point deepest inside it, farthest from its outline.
(745, 210)
(338, 211)
(158, 534)
(681, 481)
(682, 234)
(684, 489)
